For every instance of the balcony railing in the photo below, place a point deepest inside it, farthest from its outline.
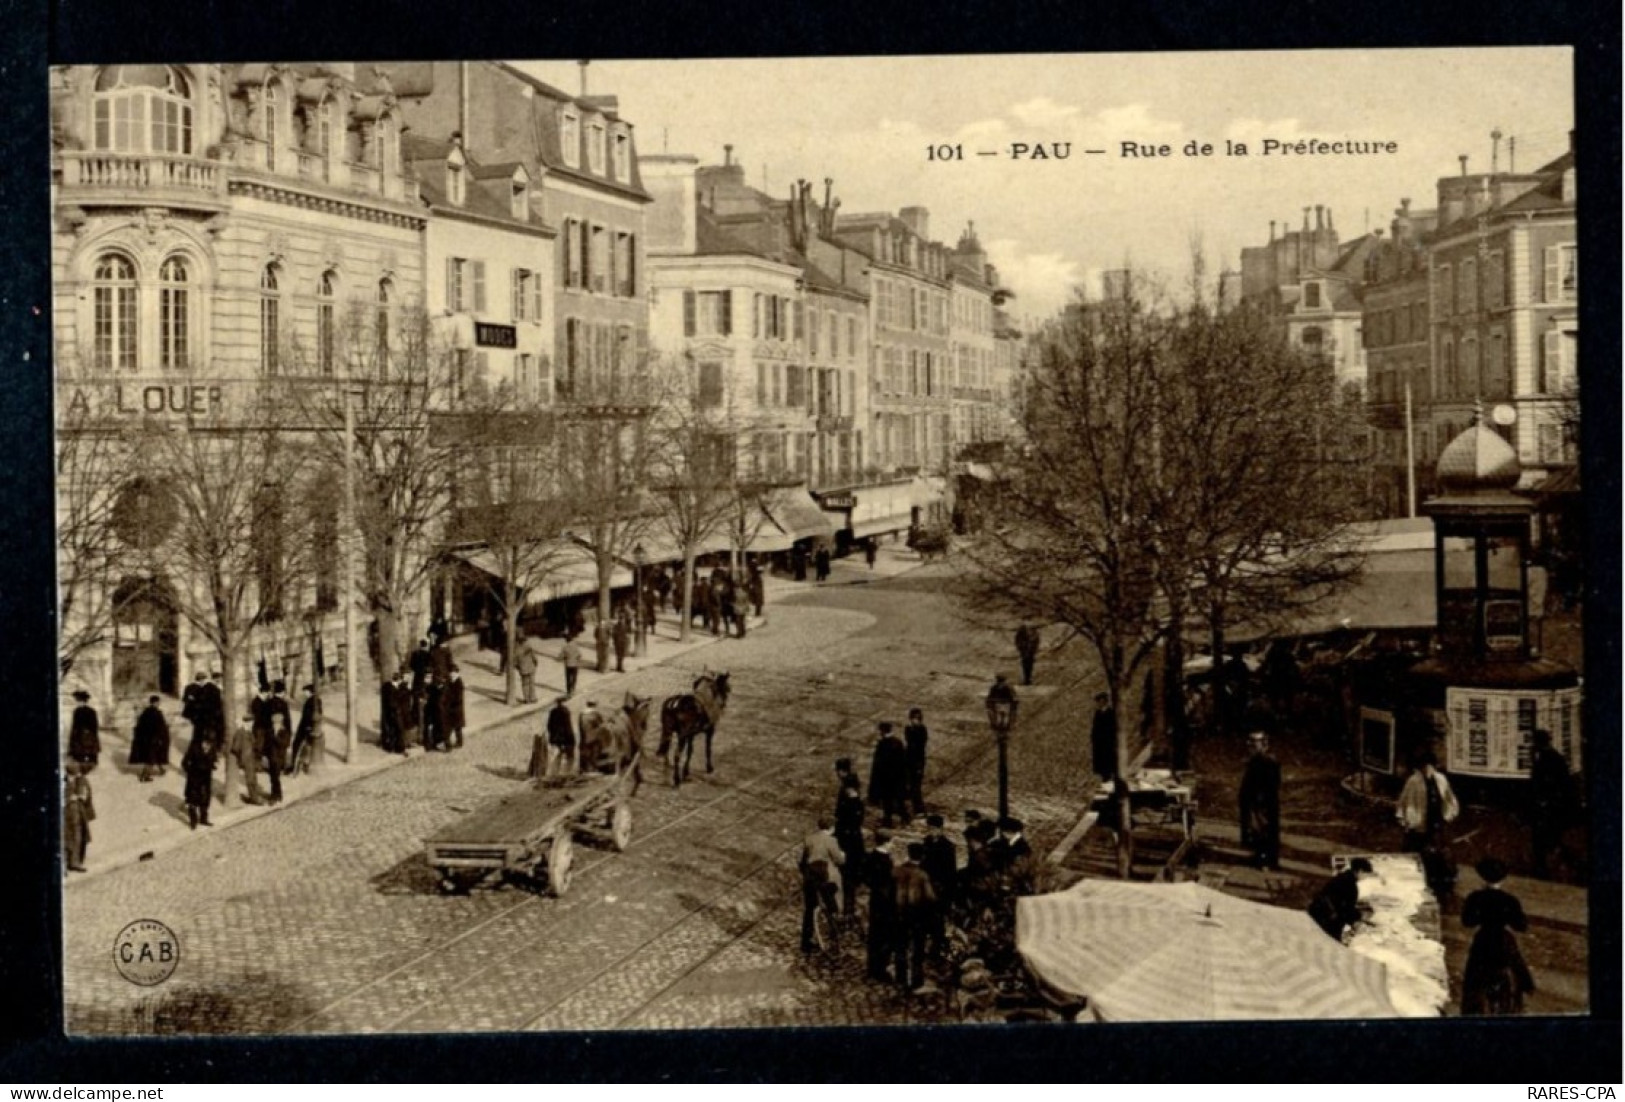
(141, 171)
(830, 422)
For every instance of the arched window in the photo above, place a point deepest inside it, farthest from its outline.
(325, 335)
(270, 319)
(270, 128)
(174, 322)
(113, 306)
(381, 327)
(143, 108)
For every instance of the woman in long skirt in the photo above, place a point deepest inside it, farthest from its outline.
(1496, 978)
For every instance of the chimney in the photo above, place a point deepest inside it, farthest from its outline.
(583, 65)
(1512, 154)
(1272, 231)
(727, 156)
(462, 97)
(918, 219)
(1462, 157)
(1318, 223)
(1329, 227)
(1495, 151)
(1305, 219)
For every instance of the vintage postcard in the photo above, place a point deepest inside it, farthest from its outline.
(549, 546)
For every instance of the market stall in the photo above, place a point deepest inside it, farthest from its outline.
(1184, 952)
(1399, 929)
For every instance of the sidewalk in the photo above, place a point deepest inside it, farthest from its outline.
(136, 821)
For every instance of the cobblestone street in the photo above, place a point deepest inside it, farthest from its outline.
(325, 917)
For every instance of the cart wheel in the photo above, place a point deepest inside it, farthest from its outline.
(559, 862)
(620, 827)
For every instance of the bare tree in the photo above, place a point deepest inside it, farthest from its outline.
(398, 387)
(101, 516)
(242, 543)
(1073, 538)
(605, 463)
(692, 462)
(1261, 465)
(511, 500)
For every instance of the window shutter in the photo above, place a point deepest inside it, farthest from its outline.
(479, 286)
(1554, 273)
(516, 294)
(1552, 361)
(761, 384)
(613, 258)
(453, 291)
(801, 328)
(585, 254)
(727, 313)
(536, 296)
(631, 265)
(756, 318)
(688, 313)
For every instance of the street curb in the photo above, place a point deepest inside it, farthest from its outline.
(245, 813)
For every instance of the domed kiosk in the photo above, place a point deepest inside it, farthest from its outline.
(1477, 699)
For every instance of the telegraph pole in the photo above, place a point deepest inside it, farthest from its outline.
(350, 738)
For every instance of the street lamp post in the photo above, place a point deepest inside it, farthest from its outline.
(642, 637)
(1001, 717)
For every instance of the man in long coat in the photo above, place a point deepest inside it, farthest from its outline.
(452, 705)
(198, 765)
(1027, 649)
(149, 745)
(277, 738)
(916, 916)
(406, 720)
(1551, 800)
(621, 636)
(1103, 738)
(310, 723)
(849, 813)
(245, 749)
(888, 776)
(878, 870)
(389, 738)
(84, 733)
(78, 810)
(433, 715)
(1259, 802)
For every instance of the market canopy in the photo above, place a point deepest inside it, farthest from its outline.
(795, 511)
(1184, 952)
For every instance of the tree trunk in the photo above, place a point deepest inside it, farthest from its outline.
(606, 569)
(1173, 694)
(684, 628)
(230, 720)
(389, 641)
(510, 648)
(1221, 675)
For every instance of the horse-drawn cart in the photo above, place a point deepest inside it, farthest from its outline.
(532, 833)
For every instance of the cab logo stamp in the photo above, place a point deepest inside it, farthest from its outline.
(146, 952)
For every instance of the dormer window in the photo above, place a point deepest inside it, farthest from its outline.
(456, 185)
(621, 156)
(595, 148)
(570, 138)
(1311, 296)
(143, 108)
(520, 204)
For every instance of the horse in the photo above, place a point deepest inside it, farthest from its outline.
(686, 716)
(621, 735)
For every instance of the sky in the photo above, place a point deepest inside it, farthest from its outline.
(1054, 224)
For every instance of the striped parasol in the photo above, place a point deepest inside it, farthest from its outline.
(1183, 952)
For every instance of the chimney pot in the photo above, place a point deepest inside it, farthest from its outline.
(1462, 157)
(727, 155)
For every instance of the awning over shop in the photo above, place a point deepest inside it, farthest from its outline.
(659, 546)
(873, 526)
(565, 568)
(980, 471)
(799, 515)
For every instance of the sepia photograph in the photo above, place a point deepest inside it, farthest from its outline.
(1054, 539)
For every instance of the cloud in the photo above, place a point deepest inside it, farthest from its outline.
(1042, 281)
(1044, 113)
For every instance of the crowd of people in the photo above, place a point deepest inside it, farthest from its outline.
(423, 703)
(910, 893)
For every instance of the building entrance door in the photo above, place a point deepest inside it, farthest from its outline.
(145, 643)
